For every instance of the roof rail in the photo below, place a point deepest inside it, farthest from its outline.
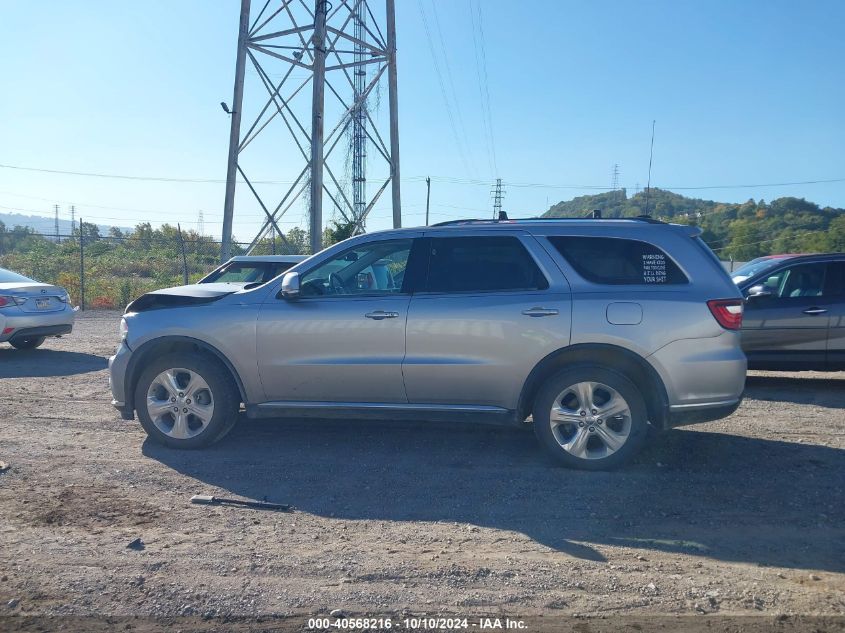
(639, 218)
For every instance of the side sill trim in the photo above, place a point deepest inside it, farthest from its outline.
(382, 406)
(479, 414)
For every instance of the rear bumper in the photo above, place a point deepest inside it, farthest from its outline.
(34, 332)
(702, 373)
(29, 324)
(683, 415)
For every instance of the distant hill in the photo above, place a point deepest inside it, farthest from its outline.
(742, 231)
(617, 204)
(45, 225)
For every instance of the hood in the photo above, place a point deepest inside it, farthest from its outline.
(193, 294)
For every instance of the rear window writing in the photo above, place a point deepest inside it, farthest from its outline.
(618, 261)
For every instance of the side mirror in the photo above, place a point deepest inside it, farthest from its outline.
(755, 292)
(290, 286)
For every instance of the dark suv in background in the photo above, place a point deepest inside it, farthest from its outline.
(795, 313)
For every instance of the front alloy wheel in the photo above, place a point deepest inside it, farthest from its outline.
(186, 400)
(180, 403)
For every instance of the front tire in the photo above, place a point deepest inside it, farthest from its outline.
(28, 343)
(186, 401)
(590, 417)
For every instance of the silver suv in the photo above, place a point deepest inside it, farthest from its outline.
(592, 329)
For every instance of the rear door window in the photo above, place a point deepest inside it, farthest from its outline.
(618, 261)
(482, 264)
(835, 280)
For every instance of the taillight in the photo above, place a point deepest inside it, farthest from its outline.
(11, 301)
(728, 312)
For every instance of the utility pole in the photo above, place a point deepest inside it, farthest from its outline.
(650, 156)
(56, 209)
(81, 267)
(497, 195)
(393, 97)
(427, 197)
(184, 257)
(235, 133)
(317, 112)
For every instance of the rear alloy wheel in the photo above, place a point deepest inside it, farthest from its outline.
(591, 418)
(186, 401)
(28, 343)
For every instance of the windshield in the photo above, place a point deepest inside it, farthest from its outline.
(247, 272)
(7, 276)
(755, 266)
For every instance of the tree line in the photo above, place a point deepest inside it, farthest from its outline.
(735, 231)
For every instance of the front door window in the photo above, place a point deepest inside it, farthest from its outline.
(375, 268)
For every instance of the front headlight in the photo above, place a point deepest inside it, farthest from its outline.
(124, 328)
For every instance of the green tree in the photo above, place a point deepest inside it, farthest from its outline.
(337, 233)
(745, 240)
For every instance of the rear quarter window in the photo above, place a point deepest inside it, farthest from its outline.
(618, 261)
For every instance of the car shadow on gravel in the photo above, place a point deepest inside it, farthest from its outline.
(697, 493)
(45, 363)
(824, 392)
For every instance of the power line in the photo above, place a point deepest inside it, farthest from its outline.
(141, 178)
(483, 86)
(443, 179)
(446, 102)
(455, 100)
(486, 85)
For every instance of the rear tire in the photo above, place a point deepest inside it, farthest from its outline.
(28, 343)
(186, 401)
(590, 417)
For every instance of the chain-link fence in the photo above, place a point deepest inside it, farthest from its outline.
(109, 272)
(104, 273)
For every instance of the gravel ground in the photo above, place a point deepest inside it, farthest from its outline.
(737, 517)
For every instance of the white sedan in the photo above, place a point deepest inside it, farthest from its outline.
(31, 311)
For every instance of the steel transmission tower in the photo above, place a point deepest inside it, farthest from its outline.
(614, 181)
(345, 51)
(359, 115)
(498, 195)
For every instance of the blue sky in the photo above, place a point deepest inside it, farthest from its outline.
(742, 92)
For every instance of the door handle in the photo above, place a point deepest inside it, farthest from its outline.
(815, 311)
(540, 312)
(378, 315)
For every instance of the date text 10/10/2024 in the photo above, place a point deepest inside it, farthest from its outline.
(417, 624)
